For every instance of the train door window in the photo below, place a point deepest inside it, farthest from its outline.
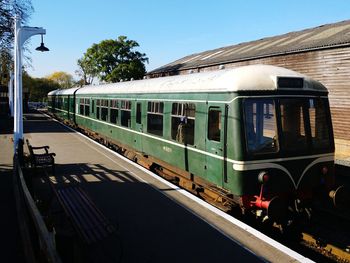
(293, 125)
(183, 122)
(87, 107)
(260, 125)
(214, 124)
(81, 106)
(104, 110)
(98, 108)
(114, 111)
(318, 124)
(125, 113)
(138, 113)
(155, 118)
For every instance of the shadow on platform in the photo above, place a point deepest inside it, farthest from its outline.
(36, 122)
(151, 227)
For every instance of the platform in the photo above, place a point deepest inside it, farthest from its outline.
(11, 249)
(156, 223)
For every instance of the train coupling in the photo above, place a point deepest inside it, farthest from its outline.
(341, 197)
(275, 207)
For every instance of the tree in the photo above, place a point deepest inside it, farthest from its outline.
(64, 79)
(85, 71)
(38, 87)
(113, 60)
(8, 10)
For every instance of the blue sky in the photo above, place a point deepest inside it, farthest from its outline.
(167, 30)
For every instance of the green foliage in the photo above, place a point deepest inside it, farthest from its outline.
(86, 71)
(38, 87)
(113, 61)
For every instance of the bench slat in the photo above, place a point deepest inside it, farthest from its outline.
(91, 223)
(69, 208)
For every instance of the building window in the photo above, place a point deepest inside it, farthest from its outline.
(125, 113)
(183, 122)
(155, 118)
(114, 111)
(214, 124)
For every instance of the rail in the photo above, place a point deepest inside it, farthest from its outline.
(26, 207)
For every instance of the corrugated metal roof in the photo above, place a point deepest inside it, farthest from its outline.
(325, 36)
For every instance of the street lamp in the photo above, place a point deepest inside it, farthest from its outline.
(22, 34)
(42, 47)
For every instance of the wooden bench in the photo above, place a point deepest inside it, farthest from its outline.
(89, 222)
(44, 159)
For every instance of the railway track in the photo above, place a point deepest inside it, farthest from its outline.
(329, 233)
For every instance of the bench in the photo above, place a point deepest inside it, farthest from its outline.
(89, 222)
(38, 160)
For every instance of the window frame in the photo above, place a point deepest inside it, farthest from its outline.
(155, 109)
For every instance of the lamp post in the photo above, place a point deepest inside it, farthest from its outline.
(10, 93)
(21, 35)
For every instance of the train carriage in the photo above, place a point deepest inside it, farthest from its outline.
(258, 137)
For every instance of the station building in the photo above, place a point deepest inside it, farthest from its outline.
(322, 53)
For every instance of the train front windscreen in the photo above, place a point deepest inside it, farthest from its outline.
(292, 125)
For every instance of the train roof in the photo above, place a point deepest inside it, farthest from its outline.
(247, 78)
(62, 91)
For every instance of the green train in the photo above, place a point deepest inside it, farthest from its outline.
(256, 137)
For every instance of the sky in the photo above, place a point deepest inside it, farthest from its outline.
(166, 30)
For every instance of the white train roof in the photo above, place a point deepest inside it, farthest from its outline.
(247, 78)
(62, 91)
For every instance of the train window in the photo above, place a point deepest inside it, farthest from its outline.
(318, 123)
(260, 126)
(138, 113)
(81, 106)
(183, 122)
(155, 118)
(114, 111)
(214, 124)
(104, 110)
(125, 113)
(87, 107)
(98, 104)
(293, 124)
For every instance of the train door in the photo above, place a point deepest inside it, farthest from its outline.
(68, 107)
(138, 126)
(216, 143)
